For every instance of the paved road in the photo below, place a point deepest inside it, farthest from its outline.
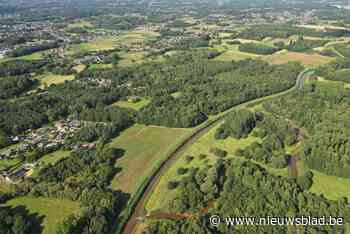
(139, 207)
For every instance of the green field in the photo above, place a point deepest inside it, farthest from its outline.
(54, 157)
(34, 56)
(112, 42)
(49, 79)
(53, 210)
(145, 148)
(308, 60)
(136, 106)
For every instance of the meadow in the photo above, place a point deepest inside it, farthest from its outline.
(145, 148)
(49, 79)
(135, 106)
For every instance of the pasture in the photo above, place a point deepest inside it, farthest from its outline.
(145, 148)
(308, 60)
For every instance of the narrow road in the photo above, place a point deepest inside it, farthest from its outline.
(129, 228)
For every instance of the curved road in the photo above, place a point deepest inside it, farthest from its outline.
(139, 207)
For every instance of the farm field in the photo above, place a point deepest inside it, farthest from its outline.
(52, 210)
(308, 60)
(135, 106)
(34, 56)
(112, 42)
(145, 148)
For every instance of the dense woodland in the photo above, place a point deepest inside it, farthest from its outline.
(250, 186)
(322, 109)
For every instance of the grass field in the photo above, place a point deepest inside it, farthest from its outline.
(55, 156)
(309, 60)
(131, 58)
(100, 66)
(8, 163)
(331, 187)
(34, 56)
(136, 106)
(145, 147)
(109, 43)
(161, 196)
(49, 79)
(54, 211)
(234, 54)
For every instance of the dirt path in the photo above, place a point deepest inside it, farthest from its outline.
(154, 179)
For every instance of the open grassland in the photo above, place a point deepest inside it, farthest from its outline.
(8, 163)
(131, 58)
(100, 66)
(113, 42)
(81, 24)
(331, 187)
(233, 53)
(145, 148)
(161, 196)
(136, 106)
(52, 210)
(308, 60)
(54, 157)
(30, 57)
(49, 79)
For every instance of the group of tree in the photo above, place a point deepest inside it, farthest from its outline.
(208, 87)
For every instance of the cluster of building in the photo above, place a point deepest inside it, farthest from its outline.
(46, 139)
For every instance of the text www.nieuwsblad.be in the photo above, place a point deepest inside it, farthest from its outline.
(216, 220)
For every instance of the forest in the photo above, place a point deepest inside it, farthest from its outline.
(322, 109)
(250, 186)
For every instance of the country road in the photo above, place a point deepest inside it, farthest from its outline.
(138, 208)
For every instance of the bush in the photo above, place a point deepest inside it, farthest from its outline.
(202, 156)
(189, 158)
(182, 171)
(172, 185)
(219, 152)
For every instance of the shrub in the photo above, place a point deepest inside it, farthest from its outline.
(182, 171)
(218, 152)
(172, 185)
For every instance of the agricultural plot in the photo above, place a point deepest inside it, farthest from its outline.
(308, 60)
(52, 210)
(145, 148)
(110, 43)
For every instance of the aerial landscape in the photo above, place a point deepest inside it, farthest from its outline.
(174, 116)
